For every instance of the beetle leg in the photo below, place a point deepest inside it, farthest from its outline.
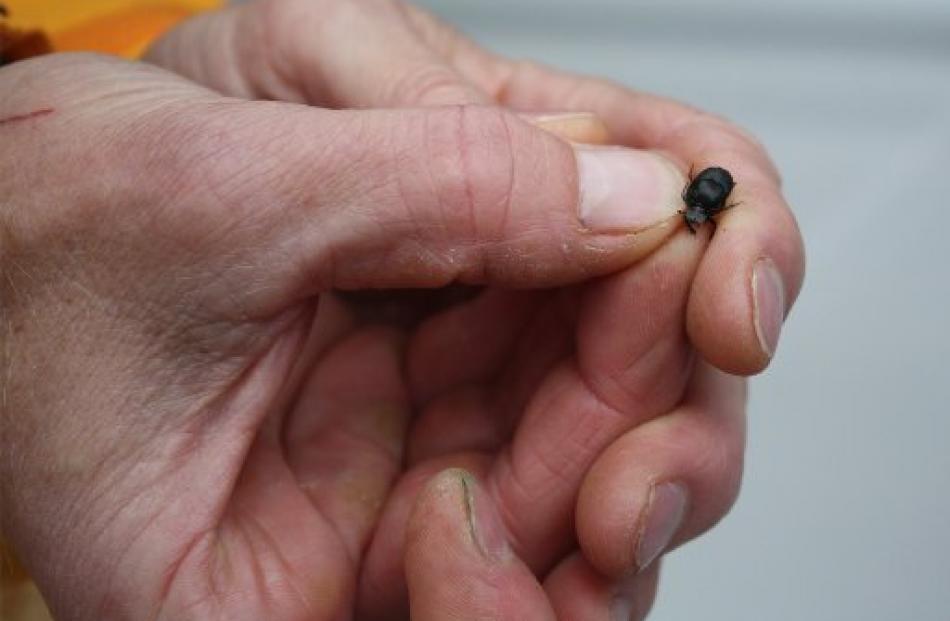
(689, 225)
(731, 205)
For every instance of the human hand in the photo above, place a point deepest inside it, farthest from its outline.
(364, 54)
(387, 53)
(195, 426)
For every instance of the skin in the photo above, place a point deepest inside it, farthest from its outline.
(216, 435)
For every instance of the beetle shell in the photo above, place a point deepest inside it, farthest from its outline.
(705, 195)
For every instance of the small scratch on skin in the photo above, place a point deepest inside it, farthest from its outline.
(26, 117)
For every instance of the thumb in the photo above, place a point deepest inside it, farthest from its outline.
(458, 565)
(426, 197)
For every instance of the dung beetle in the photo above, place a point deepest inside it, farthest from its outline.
(705, 195)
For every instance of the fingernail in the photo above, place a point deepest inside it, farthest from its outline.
(584, 127)
(483, 523)
(621, 608)
(624, 189)
(665, 510)
(768, 299)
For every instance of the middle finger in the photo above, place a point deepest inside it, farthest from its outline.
(631, 364)
(349, 54)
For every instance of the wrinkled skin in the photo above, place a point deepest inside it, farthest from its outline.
(196, 426)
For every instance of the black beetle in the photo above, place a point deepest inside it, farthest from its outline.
(705, 195)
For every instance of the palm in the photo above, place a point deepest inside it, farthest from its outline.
(522, 388)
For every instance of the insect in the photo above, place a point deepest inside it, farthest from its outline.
(705, 196)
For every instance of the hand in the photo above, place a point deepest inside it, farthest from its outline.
(364, 54)
(195, 426)
(386, 53)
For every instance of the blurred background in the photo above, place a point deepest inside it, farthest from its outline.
(845, 510)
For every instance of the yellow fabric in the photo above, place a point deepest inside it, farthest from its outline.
(123, 27)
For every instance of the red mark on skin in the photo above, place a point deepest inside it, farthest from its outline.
(26, 117)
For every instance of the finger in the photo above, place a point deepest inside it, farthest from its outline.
(418, 198)
(332, 54)
(577, 591)
(490, 74)
(479, 411)
(363, 54)
(382, 594)
(344, 438)
(754, 267)
(481, 67)
(458, 564)
(632, 363)
(569, 422)
(484, 329)
(453, 365)
(666, 481)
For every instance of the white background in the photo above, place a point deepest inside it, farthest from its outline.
(845, 510)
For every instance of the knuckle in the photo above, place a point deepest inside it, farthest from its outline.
(704, 132)
(186, 149)
(473, 148)
(723, 462)
(706, 451)
(716, 458)
(425, 83)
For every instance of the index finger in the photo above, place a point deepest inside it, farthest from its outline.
(753, 269)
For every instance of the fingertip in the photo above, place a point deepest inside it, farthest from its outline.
(719, 321)
(582, 210)
(446, 517)
(623, 189)
(624, 529)
(666, 481)
(459, 565)
(578, 591)
(749, 277)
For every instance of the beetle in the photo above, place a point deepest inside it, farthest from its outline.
(705, 196)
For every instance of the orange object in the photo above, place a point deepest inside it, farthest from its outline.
(121, 27)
